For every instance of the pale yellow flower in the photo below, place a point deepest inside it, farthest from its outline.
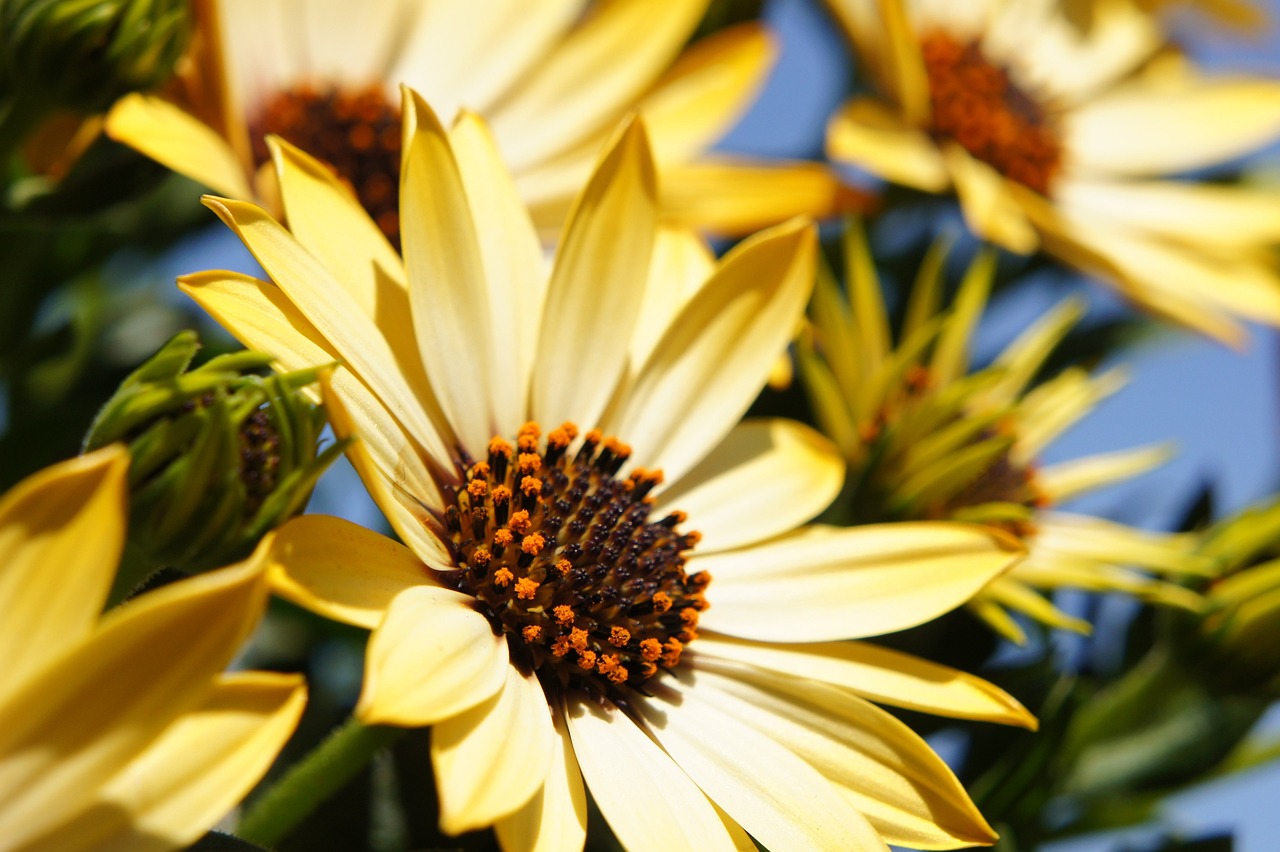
(551, 78)
(1063, 140)
(928, 437)
(549, 615)
(119, 732)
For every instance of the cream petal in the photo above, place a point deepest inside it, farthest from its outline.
(597, 286)
(329, 306)
(867, 135)
(825, 583)
(77, 723)
(179, 141)
(990, 210)
(492, 759)
(432, 657)
(682, 262)
(556, 817)
(348, 44)
(591, 78)
(61, 534)
(645, 796)
(1150, 128)
(887, 772)
(470, 361)
(1079, 476)
(716, 355)
(1097, 539)
(773, 793)
(341, 570)
(194, 773)
(765, 478)
(880, 674)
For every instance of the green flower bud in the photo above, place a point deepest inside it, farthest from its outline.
(220, 455)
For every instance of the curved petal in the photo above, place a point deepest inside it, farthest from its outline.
(772, 792)
(179, 141)
(469, 360)
(61, 534)
(824, 583)
(765, 478)
(880, 674)
(196, 772)
(1070, 479)
(490, 760)
(632, 780)
(341, 570)
(867, 135)
(432, 657)
(990, 210)
(76, 723)
(597, 286)
(1150, 128)
(716, 355)
(556, 817)
(882, 768)
(682, 262)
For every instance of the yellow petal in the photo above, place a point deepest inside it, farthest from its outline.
(765, 478)
(1098, 539)
(1056, 405)
(490, 760)
(887, 772)
(591, 78)
(341, 570)
(773, 793)
(1011, 593)
(179, 141)
(61, 534)
(1149, 129)
(717, 353)
(681, 264)
(448, 290)
(432, 657)
(990, 210)
(632, 780)
(905, 62)
(1079, 476)
(76, 723)
(556, 817)
(825, 583)
(867, 135)
(880, 674)
(335, 314)
(739, 195)
(198, 769)
(1022, 359)
(597, 285)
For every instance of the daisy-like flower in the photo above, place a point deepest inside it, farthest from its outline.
(1064, 140)
(119, 731)
(551, 79)
(926, 437)
(554, 613)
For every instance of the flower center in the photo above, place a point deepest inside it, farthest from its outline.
(559, 551)
(975, 103)
(357, 132)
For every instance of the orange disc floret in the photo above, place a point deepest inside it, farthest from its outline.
(528, 463)
(586, 660)
(560, 647)
(611, 667)
(531, 486)
(533, 543)
(520, 523)
(671, 650)
(503, 538)
(619, 636)
(501, 494)
(650, 649)
(578, 639)
(481, 557)
(563, 566)
(526, 589)
(500, 447)
(661, 602)
(688, 616)
(563, 615)
(502, 577)
(477, 488)
(531, 633)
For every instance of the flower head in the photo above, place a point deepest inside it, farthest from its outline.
(551, 80)
(927, 437)
(120, 730)
(605, 578)
(1065, 140)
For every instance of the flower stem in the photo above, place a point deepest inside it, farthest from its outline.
(310, 782)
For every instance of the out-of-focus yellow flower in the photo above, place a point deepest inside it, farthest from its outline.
(1063, 140)
(552, 79)
(1241, 14)
(554, 614)
(118, 731)
(925, 437)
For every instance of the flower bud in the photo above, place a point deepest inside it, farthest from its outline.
(220, 455)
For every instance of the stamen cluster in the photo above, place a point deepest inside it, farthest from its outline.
(559, 551)
(975, 103)
(357, 132)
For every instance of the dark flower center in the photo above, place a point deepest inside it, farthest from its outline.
(357, 132)
(560, 554)
(976, 103)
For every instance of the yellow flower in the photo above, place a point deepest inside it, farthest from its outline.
(554, 614)
(118, 731)
(1244, 15)
(925, 437)
(551, 79)
(1055, 139)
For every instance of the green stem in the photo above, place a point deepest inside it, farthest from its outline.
(310, 782)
